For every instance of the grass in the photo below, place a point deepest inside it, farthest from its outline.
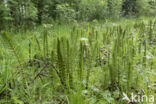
(78, 64)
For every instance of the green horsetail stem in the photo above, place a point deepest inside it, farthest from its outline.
(12, 46)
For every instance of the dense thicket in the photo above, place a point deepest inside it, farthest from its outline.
(28, 12)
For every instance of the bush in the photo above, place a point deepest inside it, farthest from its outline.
(114, 8)
(91, 10)
(4, 17)
(65, 13)
(142, 6)
(135, 7)
(152, 7)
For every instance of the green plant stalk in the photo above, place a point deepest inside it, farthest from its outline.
(69, 64)
(45, 44)
(61, 64)
(144, 58)
(89, 68)
(30, 46)
(81, 60)
(38, 44)
(8, 39)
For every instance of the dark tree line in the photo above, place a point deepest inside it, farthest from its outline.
(28, 12)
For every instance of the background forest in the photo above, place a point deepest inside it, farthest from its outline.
(31, 12)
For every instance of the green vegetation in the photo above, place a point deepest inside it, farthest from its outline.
(78, 64)
(77, 51)
(27, 14)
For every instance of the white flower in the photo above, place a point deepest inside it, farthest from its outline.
(84, 92)
(154, 85)
(47, 25)
(83, 39)
(94, 89)
(149, 56)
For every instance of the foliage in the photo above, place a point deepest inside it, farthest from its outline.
(114, 8)
(136, 7)
(89, 11)
(65, 12)
(86, 64)
(4, 17)
(29, 12)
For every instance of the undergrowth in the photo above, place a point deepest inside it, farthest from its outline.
(89, 64)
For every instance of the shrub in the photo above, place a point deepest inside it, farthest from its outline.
(65, 12)
(114, 8)
(135, 7)
(152, 7)
(90, 10)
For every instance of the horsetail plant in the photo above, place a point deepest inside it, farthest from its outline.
(8, 40)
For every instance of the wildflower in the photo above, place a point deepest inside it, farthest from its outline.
(149, 56)
(83, 39)
(47, 25)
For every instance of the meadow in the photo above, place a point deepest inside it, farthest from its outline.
(79, 63)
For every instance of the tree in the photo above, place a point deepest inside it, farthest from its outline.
(129, 7)
(30, 13)
(114, 8)
(135, 7)
(3, 14)
(23, 12)
(40, 5)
